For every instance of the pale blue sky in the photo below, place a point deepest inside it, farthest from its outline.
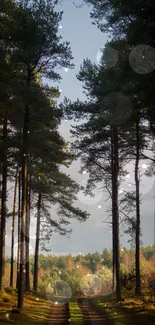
(85, 41)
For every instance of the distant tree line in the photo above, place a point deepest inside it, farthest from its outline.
(76, 271)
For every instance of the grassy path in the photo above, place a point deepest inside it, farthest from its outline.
(76, 316)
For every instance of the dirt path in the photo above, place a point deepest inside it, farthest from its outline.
(58, 314)
(91, 314)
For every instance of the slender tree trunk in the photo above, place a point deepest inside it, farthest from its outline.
(27, 266)
(35, 277)
(3, 202)
(19, 228)
(21, 287)
(137, 257)
(113, 270)
(116, 213)
(13, 229)
(113, 223)
(0, 197)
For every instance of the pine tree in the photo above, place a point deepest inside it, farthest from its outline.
(99, 139)
(39, 49)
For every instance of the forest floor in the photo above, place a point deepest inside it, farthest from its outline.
(101, 310)
(37, 310)
(133, 311)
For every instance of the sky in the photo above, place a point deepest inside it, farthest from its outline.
(86, 40)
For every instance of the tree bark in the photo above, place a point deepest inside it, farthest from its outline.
(27, 266)
(19, 228)
(137, 254)
(3, 202)
(21, 287)
(13, 229)
(116, 212)
(113, 223)
(35, 277)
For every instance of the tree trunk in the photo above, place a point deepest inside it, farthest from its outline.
(23, 227)
(116, 212)
(22, 273)
(13, 229)
(137, 255)
(27, 266)
(19, 228)
(113, 223)
(3, 202)
(35, 277)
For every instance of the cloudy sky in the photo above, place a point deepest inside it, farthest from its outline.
(93, 235)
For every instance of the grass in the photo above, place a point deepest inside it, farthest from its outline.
(130, 311)
(35, 312)
(35, 309)
(75, 313)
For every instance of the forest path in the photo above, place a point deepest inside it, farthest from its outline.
(58, 314)
(91, 314)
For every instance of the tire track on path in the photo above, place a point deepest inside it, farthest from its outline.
(91, 314)
(58, 314)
